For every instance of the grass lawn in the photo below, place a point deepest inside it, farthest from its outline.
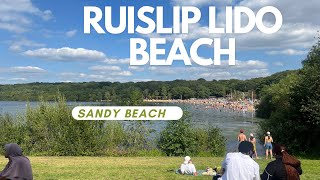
(133, 167)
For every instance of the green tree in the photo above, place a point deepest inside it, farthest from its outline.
(202, 91)
(305, 101)
(164, 92)
(293, 107)
(146, 93)
(107, 95)
(156, 94)
(178, 139)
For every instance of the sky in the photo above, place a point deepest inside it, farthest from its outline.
(44, 41)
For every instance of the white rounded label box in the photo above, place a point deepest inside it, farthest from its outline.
(127, 113)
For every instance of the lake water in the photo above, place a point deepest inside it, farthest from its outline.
(228, 121)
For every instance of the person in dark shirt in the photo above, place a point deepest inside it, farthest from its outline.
(18, 167)
(285, 167)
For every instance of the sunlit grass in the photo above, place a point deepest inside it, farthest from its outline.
(133, 167)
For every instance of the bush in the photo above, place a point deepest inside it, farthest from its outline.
(10, 131)
(49, 129)
(216, 142)
(179, 139)
(115, 136)
(210, 141)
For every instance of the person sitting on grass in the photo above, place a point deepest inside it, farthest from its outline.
(187, 167)
(285, 167)
(18, 167)
(240, 165)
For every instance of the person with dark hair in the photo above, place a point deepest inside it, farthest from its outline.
(240, 165)
(18, 167)
(242, 136)
(285, 167)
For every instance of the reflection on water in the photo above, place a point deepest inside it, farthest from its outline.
(230, 122)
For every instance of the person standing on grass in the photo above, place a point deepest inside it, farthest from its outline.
(268, 145)
(18, 167)
(187, 167)
(285, 167)
(242, 136)
(252, 139)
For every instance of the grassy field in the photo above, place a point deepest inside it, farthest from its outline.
(133, 167)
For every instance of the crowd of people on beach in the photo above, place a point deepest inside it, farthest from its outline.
(241, 166)
(243, 105)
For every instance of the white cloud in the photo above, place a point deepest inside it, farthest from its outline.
(278, 63)
(27, 69)
(242, 70)
(105, 68)
(136, 68)
(291, 52)
(290, 36)
(66, 54)
(11, 27)
(195, 31)
(71, 33)
(293, 11)
(67, 81)
(85, 77)
(141, 80)
(216, 75)
(117, 61)
(122, 73)
(300, 25)
(253, 73)
(68, 74)
(250, 64)
(46, 15)
(21, 44)
(15, 15)
(18, 79)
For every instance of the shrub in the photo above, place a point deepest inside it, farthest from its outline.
(216, 142)
(178, 139)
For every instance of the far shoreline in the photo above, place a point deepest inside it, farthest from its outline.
(246, 105)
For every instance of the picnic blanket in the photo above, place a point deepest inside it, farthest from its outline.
(177, 171)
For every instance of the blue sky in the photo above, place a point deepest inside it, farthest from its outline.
(43, 41)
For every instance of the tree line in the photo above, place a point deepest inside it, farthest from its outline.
(177, 89)
(292, 107)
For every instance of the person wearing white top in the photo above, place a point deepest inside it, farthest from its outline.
(240, 166)
(187, 167)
